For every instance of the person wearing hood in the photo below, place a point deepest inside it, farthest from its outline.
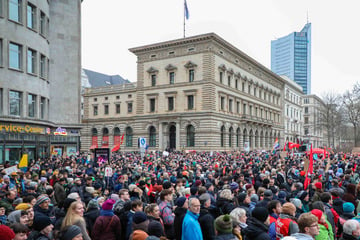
(257, 228)
(308, 227)
(18, 216)
(182, 204)
(298, 205)
(206, 220)
(286, 224)
(107, 225)
(325, 231)
(91, 214)
(191, 228)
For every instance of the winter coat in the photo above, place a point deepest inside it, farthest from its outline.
(191, 229)
(35, 235)
(59, 192)
(256, 230)
(347, 237)
(90, 217)
(227, 236)
(325, 234)
(106, 227)
(302, 236)
(206, 221)
(178, 221)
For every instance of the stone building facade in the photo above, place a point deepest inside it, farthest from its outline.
(198, 93)
(314, 129)
(40, 72)
(293, 111)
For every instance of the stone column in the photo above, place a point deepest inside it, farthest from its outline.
(161, 147)
(178, 147)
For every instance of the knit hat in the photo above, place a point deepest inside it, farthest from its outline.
(93, 204)
(318, 185)
(71, 232)
(223, 224)
(139, 217)
(14, 216)
(268, 193)
(108, 204)
(155, 229)
(23, 206)
(254, 198)
(242, 197)
(139, 235)
(260, 213)
(90, 190)
(234, 186)
(282, 195)
(41, 199)
(67, 203)
(180, 201)
(348, 207)
(296, 202)
(318, 213)
(6, 233)
(302, 195)
(17, 201)
(41, 222)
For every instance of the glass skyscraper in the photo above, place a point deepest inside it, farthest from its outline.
(291, 56)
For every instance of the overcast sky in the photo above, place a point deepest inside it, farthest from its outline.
(111, 27)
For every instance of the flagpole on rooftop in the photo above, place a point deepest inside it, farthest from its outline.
(184, 16)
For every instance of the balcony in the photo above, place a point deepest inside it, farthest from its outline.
(258, 120)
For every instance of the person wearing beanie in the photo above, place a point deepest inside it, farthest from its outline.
(254, 199)
(286, 224)
(182, 205)
(318, 190)
(206, 220)
(191, 228)
(23, 206)
(72, 232)
(18, 216)
(304, 198)
(6, 233)
(224, 226)
(42, 228)
(107, 225)
(348, 211)
(298, 205)
(244, 202)
(326, 231)
(43, 207)
(257, 228)
(91, 214)
(75, 216)
(281, 196)
(140, 226)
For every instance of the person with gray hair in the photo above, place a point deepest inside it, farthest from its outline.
(351, 230)
(206, 220)
(190, 227)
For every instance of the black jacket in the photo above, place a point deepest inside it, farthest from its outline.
(347, 237)
(227, 236)
(90, 218)
(206, 221)
(178, 221)
(256, 230)
(225, 206)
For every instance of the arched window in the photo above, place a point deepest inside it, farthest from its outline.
(94, 138)
(222, 136)
(245, 137)
(238, 137)
(129, 136)
(190, 136)
(230, 136)
(152, 136)
(105, 137)
(105, 132)
(116, 136)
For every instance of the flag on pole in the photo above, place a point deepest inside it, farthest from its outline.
(24, 161)
(276, 145)
(122, 139)
(310, 169)
(186, 10)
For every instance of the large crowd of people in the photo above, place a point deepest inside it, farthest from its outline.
(256, 195)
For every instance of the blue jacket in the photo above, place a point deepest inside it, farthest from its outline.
(191, 227)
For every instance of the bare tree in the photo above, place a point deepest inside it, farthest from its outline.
(332, 117)
(351, 103)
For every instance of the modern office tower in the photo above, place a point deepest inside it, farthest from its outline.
(291, 56)
(40, 78)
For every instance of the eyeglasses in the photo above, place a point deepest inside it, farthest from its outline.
(315, 225)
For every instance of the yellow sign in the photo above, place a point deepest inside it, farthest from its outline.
(24, 161)
(21, 129)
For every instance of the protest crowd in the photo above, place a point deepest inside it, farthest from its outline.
(256, 195)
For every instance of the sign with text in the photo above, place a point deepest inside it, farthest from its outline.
(11, 128)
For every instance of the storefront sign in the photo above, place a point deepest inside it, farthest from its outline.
(21, 128)
(60, 131)
(71, 151)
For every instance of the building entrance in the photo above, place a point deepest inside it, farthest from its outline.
(172, 137)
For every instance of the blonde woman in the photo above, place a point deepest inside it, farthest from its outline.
(74, 216)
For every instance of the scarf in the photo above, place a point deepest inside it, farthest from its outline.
(109, 213)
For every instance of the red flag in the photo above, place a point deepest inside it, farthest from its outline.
(310, 169)
(324, 153)
(285, 146)
(122, 139)
(311, 160)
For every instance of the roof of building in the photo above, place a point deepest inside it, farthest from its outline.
(97, 79)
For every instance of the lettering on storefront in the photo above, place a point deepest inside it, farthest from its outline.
(20, 129)
(60, 131)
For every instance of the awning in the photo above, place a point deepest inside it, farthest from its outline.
(93, 146)
(116, 148)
